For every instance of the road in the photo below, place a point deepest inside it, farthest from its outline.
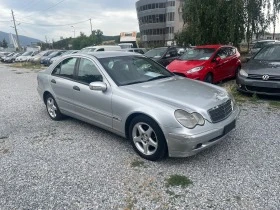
(74, 165)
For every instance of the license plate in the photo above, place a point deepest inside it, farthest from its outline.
(229, 127)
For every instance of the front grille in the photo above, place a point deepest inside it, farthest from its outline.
(260, 77)
(220, 112)
(263, 89)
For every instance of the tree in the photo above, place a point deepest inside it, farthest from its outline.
(4, 43)
(223, 21)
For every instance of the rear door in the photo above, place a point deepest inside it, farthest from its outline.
(62, 82)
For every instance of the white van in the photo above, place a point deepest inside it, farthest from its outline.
(101, 48)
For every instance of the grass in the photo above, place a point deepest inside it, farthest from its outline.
(254, 98)
(26, 65)
(275, 104)
(137, 163)
(178, 180)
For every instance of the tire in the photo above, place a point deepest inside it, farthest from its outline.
(209, 78)
(147, 138)
(52, 108)
(237, 71)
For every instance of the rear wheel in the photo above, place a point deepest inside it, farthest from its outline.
(52, 108)
(147, 138)
(209, 78)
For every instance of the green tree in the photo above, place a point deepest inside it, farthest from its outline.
(4, 43)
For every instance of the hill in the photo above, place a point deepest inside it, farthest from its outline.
(24, 40)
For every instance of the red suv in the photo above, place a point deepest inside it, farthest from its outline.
(209, 63)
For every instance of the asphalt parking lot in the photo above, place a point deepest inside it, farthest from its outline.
(74, 165)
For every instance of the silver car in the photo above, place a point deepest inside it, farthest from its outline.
(135, 97)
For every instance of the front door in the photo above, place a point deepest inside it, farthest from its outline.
(221, 68)
(91, 104)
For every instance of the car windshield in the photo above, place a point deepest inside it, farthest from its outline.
(88, 49)
(27, 53)
(269, 53)
(53, 54)
(198, 54)
(48, 53)
(261, 44)
(157, 52)
(127, 70)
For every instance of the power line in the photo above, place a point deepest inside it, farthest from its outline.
(30, 5)
(48, 25)
(46, 8)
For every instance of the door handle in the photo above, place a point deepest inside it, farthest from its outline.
(53, 81)
(76, 88)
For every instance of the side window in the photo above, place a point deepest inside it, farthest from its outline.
(222, 53)
(65, 68)
(173, 53)
(88, 72)
(101, 49)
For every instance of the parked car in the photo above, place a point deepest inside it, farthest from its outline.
(100, 48)
(163, 55)
(2, 54)
(259, 45)
(46, 60)
(26, 56)
(209, 63)
(37, 58)
(6, 56)
(12, 58)
(44, 56)
(65, 53)
(136, 50)
(261, 74)
(135, 97)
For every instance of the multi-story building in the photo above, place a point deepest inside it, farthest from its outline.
(159, 20)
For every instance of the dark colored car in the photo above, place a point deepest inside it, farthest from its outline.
(261, 74)
(163, 55)
(209, 63)
(46, 60)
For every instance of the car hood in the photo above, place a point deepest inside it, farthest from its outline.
(180, 93)
(262, 67)
(182, 66)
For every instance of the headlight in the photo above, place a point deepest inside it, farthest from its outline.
(196, 69)
(188, 120)
(243, 73)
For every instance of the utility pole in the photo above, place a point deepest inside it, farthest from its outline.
(16, 30)
(90, 26)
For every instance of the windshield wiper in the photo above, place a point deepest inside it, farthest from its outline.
(159, 77)
(132, 83)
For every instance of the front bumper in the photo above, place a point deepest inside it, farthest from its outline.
(181, 144)
(269, 87)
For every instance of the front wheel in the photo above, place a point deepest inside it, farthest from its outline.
(209, 78)
(52, 108)
(147, 138)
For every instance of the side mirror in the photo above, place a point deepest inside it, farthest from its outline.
(218, 59)
(98, 86)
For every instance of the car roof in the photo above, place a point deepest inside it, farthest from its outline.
(108, 54)
(268, 40)
(214, 46)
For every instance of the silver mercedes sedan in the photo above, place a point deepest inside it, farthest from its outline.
(133, 96)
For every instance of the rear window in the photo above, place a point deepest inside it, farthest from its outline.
(261, 44)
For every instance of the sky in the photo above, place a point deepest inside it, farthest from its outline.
(53, 19)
